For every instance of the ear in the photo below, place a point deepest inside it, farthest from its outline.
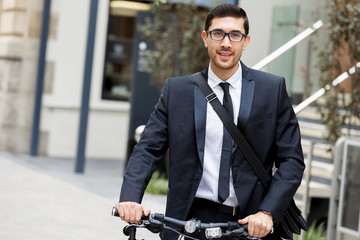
(204, 38)
(246, 41)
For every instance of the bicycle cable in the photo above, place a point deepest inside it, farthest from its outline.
(181, 234)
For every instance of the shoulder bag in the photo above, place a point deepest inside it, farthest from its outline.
(292, 221)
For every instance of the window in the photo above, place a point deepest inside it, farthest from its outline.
(285, 23)
(119, 59)
(349, 206)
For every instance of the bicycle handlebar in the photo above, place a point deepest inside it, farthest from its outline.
(156, 222)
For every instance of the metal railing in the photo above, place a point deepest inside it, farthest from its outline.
(342, 77)
(288, 45)
(341, 224)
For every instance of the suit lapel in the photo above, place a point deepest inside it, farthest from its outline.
(200, 108)
(247, 94)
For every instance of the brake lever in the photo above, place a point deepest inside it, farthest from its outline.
(239, 233)
(154, 225)
(128, 227)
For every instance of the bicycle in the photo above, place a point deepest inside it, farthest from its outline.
(157, 222)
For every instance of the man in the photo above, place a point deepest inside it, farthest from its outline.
(185, 123)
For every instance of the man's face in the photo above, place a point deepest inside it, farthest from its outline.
(225, 54)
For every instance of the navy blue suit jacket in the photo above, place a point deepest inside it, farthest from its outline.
(268, 122)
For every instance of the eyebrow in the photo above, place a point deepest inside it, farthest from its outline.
(219, 29)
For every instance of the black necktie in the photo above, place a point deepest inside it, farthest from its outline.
(224, 173)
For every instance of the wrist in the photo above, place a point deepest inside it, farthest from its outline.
(267, 213)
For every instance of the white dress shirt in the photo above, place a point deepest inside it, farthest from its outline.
(208, 188)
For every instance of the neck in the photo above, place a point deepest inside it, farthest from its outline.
(223, 74)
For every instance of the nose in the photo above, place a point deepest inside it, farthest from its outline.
(226, 41)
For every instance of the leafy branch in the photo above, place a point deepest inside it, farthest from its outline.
(158, 2)
(339, 54)
(174, 32)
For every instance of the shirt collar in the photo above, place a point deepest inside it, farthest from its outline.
(234, 80)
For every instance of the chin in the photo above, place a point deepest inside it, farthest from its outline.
(226, 66)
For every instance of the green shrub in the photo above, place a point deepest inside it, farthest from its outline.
(315, 232)
(158, 184)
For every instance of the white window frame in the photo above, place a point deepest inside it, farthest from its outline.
(340, 227)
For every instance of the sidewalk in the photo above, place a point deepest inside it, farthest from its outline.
(42, 198)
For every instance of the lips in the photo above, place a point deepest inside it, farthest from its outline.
(225, 55)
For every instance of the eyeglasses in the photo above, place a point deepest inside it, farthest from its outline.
(218, 35)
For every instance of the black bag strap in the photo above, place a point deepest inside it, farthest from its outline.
(234, 131)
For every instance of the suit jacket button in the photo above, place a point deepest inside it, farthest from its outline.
(197, 176)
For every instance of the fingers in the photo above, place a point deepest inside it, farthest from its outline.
(146, 211)
(131, 211)
(259, 225)
(243, 221)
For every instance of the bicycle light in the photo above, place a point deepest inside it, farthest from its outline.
(213, 232)
(190, 226)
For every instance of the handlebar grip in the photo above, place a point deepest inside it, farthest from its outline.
(115, 213)
(245, 227)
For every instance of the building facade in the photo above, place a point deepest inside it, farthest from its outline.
(113, 64)
(19, 47)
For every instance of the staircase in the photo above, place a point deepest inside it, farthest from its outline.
(318, 160)
(318, 156)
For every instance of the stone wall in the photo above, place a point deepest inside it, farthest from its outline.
(20, 25)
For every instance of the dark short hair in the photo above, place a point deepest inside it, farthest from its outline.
(227, 10)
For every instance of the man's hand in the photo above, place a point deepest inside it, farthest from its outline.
(131, 212)
(259, 224)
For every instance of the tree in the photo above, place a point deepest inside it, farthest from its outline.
(158, 2)
(341, 53)
(174, 33)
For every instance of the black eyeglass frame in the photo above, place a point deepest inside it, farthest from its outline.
(243, 35)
